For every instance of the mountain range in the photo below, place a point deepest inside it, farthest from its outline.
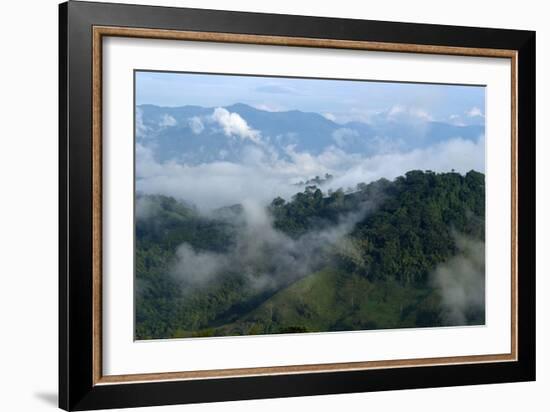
(195, 134)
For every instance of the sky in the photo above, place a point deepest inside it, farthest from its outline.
(339, 100)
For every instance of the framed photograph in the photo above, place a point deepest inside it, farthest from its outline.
(256, 205)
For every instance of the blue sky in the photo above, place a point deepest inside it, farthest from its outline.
(340, 100)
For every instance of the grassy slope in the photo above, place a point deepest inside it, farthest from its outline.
(330, 300)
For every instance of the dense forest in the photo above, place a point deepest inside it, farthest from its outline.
(388, 254)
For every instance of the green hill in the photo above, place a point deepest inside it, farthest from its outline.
(330, 300)
(354, 259)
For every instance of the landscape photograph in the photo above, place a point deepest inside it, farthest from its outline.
(276, 205)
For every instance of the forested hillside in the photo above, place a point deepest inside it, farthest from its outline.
(380, 255)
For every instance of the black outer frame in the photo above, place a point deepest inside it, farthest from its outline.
(76, 389)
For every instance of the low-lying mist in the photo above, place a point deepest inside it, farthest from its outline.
(265, 256)
(262, 175)
(461, 281)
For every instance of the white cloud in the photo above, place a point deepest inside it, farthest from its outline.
(403, 114)
(198, 268)
(146, 165)
(141, 129)
(461, 281)
(395, 110)
(395, 113)
(456, 120)
(475, 112)
(329, 116)
(421, 114)
(458, 154)
(385, 145)
(269, 107)
(167, 121)
(344, 136)
(233, 124)
(145, 208)
(196, 125)
(359, 115)
(285, 259)
(261, 175)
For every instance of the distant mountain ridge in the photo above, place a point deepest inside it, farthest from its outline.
(195, 134)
